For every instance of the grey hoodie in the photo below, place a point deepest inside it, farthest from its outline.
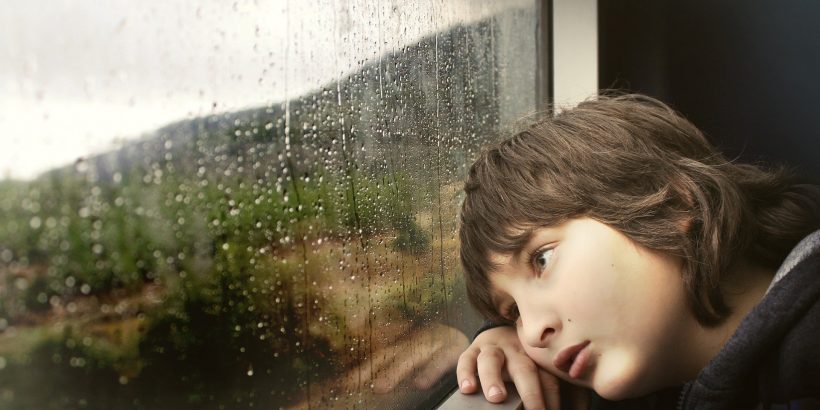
(772, 361)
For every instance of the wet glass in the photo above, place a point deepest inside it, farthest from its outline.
(247, 204)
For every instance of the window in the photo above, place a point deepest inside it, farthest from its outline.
(235, 205)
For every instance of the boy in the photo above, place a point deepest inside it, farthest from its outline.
(632, 258)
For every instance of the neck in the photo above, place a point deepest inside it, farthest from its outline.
(745, 289)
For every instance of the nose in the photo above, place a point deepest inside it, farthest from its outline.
(538, 329)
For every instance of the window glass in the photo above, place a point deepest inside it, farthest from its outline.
(243, 204)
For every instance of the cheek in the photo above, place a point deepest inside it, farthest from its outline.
(539, 356)
(624, 294)
(592, 295)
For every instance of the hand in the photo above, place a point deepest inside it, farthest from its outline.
(496, 355)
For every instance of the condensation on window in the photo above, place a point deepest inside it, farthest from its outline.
(243, 204)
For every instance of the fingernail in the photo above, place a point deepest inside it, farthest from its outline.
(495, 391)
(466, 384)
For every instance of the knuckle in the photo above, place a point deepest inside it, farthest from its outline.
(527, 366)
(490, 354)
(469, 354)
(465, 357)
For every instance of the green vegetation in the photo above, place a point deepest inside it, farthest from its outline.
(229, 304)
(232, 260)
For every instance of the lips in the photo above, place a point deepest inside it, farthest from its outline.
(573, 359)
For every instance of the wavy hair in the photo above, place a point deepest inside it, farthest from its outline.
(634, 164)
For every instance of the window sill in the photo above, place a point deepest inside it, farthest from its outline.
(457, 401)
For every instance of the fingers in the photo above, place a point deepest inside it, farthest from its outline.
(524, 374)
(466, 370)
(551, 388)
(496, 355)
(490, 362)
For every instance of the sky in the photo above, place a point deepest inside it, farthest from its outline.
(80, 77)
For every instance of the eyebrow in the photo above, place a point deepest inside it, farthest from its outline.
(517, 247)
(521, 245)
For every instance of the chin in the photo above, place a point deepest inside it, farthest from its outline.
(612, 392)
(617, 385)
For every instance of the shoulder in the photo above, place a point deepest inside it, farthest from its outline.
(792, 367)
(773, 358)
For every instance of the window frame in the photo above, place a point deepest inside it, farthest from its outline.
(566, 74)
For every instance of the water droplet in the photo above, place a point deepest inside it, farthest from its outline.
(21, 283)
(81, 165)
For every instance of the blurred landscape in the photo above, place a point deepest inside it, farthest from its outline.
(248, 259)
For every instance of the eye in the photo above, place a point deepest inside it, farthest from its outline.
(541, 259)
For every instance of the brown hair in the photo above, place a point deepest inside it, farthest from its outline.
(634, 164)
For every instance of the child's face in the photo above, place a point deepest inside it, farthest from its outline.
(618, 308)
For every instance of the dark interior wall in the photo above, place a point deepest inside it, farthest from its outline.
(747, 72)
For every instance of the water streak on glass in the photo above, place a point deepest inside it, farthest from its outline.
(244, 205)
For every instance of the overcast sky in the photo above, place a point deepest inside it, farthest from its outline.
(80, 77)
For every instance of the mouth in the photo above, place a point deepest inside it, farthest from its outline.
(573, 360)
